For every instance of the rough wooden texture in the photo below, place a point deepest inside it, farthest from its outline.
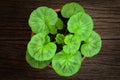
(15, 34)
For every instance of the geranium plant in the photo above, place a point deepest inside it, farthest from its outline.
(61, 38)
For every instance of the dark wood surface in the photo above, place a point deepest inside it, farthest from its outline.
(15, 34)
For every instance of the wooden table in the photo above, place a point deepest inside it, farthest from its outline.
(15, 34)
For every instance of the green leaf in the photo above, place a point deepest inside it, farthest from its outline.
(71, 9)
(36, 64)
(59, 38)
(40, 47)
(68, 39)
(92, 45)
(53, 29)
(49, 51)
(71, 39)
(81, 24)
(72, 43)
(70, 48)
(41, 18)
(66, 64)
(59, 24)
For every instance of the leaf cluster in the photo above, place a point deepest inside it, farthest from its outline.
(79, 39)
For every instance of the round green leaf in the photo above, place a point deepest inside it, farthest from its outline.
(41, 18)
(71, 9)
(59, 38)
(36, 64)
(40, 47)
(66, 64)
(73, 43)
(81, 24)
(92, 46)
(59, 24)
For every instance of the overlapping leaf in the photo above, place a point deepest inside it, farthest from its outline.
(71, 9)
(72, 43)
(66, 64)
(53, 29)
(41, 19)
(92, 46)
(59, 24)
(36, 64)
(81, 24)
(40, 47)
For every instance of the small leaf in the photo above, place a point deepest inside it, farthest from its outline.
(71, 9)
(66, 64)
(68, 39)
(53, 29)
(72, 43)
(41, 18)
(59, 38)
(59, 24)
(36, 64)
(40, 47)
(81, 24)
(92, 45)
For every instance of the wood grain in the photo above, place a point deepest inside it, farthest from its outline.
(104, 65)
(15, 14)
(15, 34)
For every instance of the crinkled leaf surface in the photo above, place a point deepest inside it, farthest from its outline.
(72, 43)
(40, 47)
(49, 50)
(81, 24)
(59, 24)
(66, 64)
(71, 39)
(36, 64)
(71, 9)
(59, 38)
(92, 45)
(41, 18)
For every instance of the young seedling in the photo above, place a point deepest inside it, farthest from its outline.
(59, 43)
